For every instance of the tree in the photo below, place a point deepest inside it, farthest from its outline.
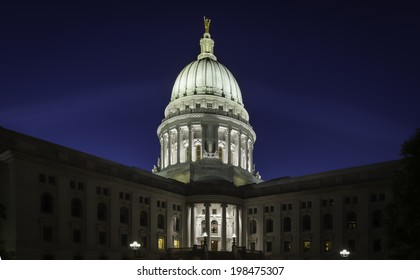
(402, 219)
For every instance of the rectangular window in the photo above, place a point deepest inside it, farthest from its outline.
(146, 200)
(127, 196)
(289, 206)
(80, 186)
(42, 178)
(284, 207)
(249, 211)
(72, 184)
(163, 204)
(269, 246)
(203, 211)
(77, 236)
(209, 105)
(98, 190)
(176, 243)
(373, 198)
(355, 199)
(331, 202)
(178, 208)
(51, 180)
(161, 243)
(252, 246)
(347, 200)
(214, 211)
(271, 208)
(377, 245)
(197, 106)
(303, 205)
(327, 246)
(144, 242)
(381, 197)
(255, 210)
(287, 246)
(102, 238)
(351, 245)
(140, 199)
(158, 203)
(309, 204)
(47, 234)
(266, 209)
(306, 245)
(121, 195)
(124, 240)
(105, 191)
(221, 108)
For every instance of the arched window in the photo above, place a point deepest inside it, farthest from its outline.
(269, 225)
(377, 218)
(351, 220)
(203, 226)
(287, 224)
(187, 153)
(144, 219)
(306, 223)
(102, 212)
(124, 215)
(214, 226)
(253, 227)
(176, 225)
(160, 221)
(47, 203)
(327, 221)
(76, 208)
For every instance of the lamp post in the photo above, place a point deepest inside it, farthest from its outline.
(344, 253)
(205, 239)
(233, 240)
(135, 247)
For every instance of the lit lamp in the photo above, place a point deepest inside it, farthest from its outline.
(344, 253)
(233, 240)
(135, 247)
(205, 238)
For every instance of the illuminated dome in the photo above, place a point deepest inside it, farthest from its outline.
(206, 134)
(206, 76)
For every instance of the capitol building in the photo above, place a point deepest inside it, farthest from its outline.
(203, 199)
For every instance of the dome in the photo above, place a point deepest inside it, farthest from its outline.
(206, 76)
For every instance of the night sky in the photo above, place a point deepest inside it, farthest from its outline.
(327, 85)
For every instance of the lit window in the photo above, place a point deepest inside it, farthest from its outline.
(214, 226)
(198, 152)
(327, 245)
(176, 243)
(220, 153)
(161, 243)
(306, 245)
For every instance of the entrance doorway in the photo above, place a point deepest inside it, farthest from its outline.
(214, 245)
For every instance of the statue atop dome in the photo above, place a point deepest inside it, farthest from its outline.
(207, 25)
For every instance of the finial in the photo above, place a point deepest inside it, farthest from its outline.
(207, 25)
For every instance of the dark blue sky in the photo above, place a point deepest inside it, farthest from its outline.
(327, 85)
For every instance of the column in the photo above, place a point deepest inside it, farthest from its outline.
(161, 153)
(178, 154)
(246, 153)
(223, 226)
(191, 144)
(207, 205)
(192, 228)
(229, 150)
(170, 147)
(239, 149)
(238, 236)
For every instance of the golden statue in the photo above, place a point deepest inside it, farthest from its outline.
(207, 25)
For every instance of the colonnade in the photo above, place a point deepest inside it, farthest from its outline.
(192, 142)
(218, 221)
